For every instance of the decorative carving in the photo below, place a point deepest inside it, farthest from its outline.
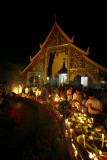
(74, 53)
(76, 62)
(58, 40)
(84, 72)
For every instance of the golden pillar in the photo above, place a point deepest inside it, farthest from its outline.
(45, 78)
(68, 64)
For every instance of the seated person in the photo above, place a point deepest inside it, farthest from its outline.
(94, 106)
(77, 96)
(70, 93)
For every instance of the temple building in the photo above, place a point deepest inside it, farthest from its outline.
(59, 60)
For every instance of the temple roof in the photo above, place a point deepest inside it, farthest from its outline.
(55, 29)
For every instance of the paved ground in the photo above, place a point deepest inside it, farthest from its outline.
(35, 118)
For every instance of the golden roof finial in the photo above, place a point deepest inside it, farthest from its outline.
(87, 51)
(40, 45)
(30, 58)
(72, 39)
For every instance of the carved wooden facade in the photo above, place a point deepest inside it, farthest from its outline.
(50, 57)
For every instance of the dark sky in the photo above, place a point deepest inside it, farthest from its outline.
(24, 26)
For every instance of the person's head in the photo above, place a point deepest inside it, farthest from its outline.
(71, 87)
(91, 95)
(78, 90)
(85, 94)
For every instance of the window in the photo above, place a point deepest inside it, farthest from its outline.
(84, 81)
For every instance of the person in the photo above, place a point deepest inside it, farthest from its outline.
(94, 107)
(70, 93)
(85, 98)
(77, 96)
(9, 116)
(104, 99)
(63, 93)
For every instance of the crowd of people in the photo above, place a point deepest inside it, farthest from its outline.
(94, 101)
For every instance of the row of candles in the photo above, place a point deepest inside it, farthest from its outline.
(69, 132)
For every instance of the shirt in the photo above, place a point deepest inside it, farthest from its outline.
(96, 104)
(77, 97)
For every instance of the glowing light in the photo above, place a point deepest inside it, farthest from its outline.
(15, 90)
(84, 139)
(102, 140)
(71, 130)
(20, 89)
(26, 90)
(38, 92)
(100, 152)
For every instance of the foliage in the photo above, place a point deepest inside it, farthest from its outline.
(65, 108)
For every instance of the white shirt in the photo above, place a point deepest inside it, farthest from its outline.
(77, 97)
(95, 104)
(69, 94)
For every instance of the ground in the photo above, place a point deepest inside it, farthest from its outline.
(25, 142)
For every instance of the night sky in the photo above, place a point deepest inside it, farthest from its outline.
(24, 26)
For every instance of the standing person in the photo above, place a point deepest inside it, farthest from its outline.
(70, 93)
(94, 107)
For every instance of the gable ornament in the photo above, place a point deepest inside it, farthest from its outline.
(72, 39)
(87, 51)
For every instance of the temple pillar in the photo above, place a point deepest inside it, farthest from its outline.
(46, 60)
(68, 64)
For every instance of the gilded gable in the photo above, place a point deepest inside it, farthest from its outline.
(88, 64)
(76, 62)
(58, 40)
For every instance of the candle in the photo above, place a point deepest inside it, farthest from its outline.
(92, 120)
(76, 153)
(71, 133)
(69, 124)
(100, 152)
(90, 155)
(102, 140)
(66, 121)
(84, 139)
(66, 133)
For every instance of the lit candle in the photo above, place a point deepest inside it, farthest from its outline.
(66, 121)
(92, 120)
(102, 140)
(90, 155)
(100, 152)
(71, 133)
(84, 139)
(76, 153)
(66, 133)
(69, 124)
